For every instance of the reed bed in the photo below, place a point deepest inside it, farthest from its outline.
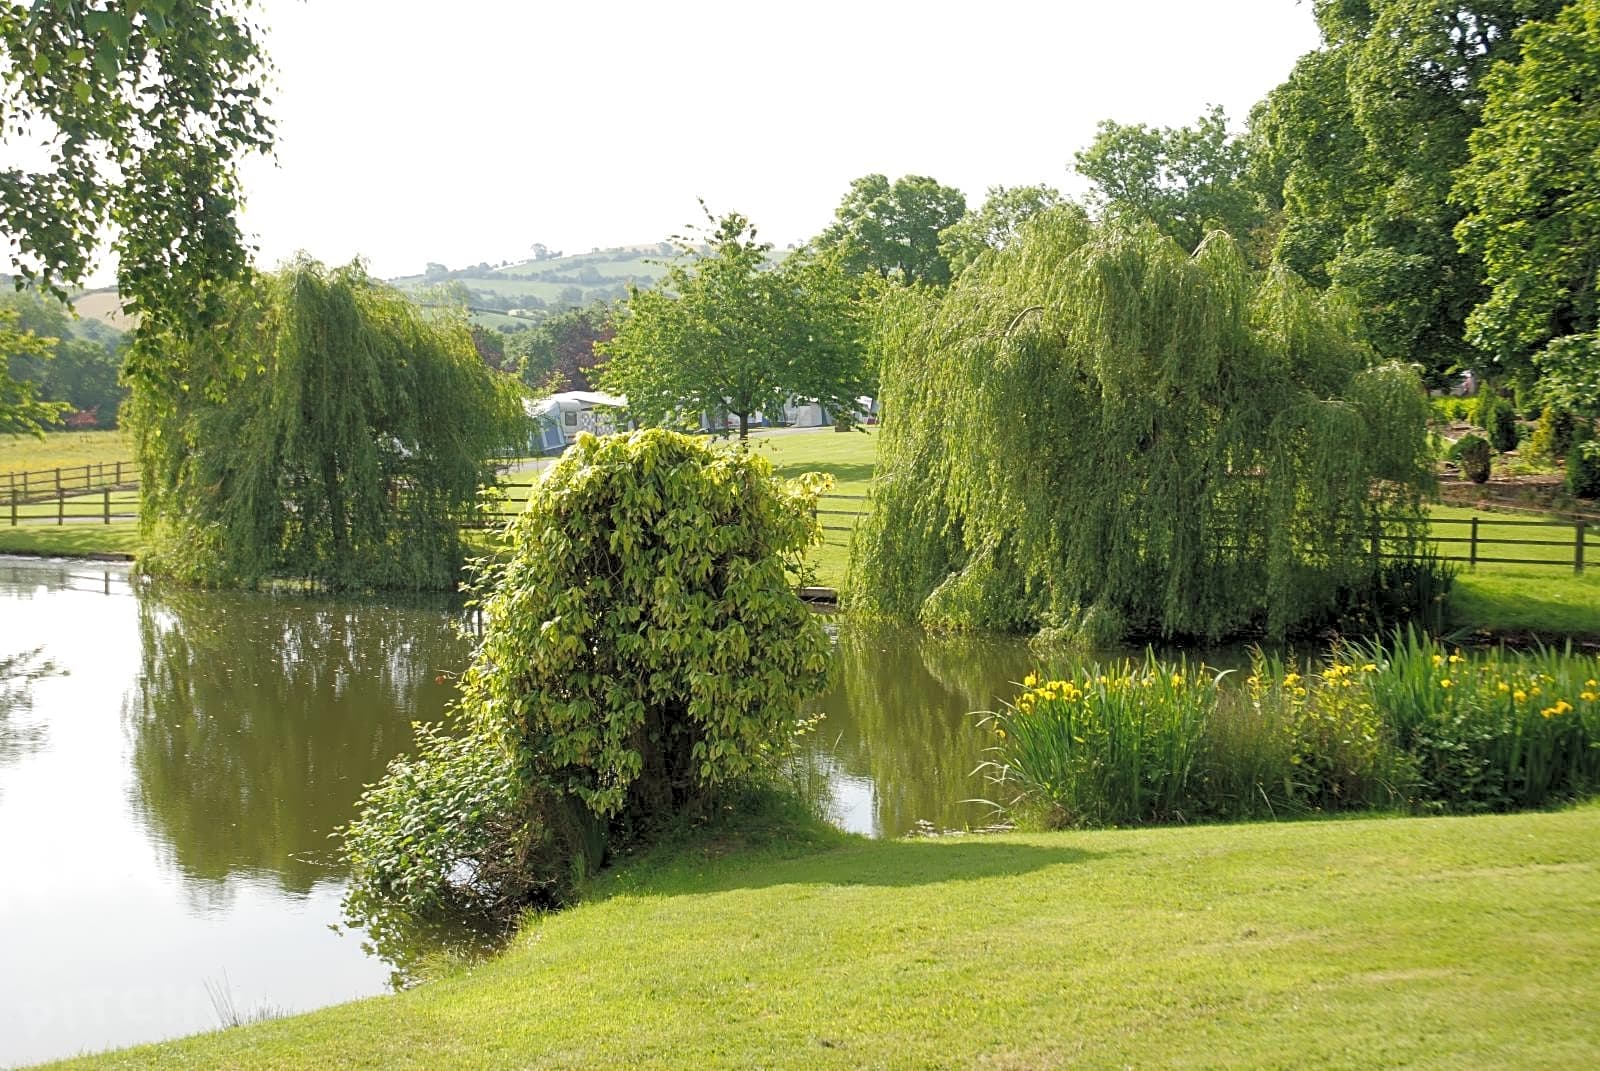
(1409, 725)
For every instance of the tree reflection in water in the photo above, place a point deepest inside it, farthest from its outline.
(899, 717)
(17, 673)
(256, 721)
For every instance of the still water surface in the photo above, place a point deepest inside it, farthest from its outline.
(166, 800)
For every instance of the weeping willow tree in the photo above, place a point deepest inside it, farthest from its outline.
(325, 431)
(1094, 431)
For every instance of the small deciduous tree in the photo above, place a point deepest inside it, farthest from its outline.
(1094, 429)
(21, 407)
(728, 331)
(560, 352)
(145, 109)
(81, 371)
(1532, 191)
(340, 436)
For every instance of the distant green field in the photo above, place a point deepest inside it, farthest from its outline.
(19, 453)
(642, 267)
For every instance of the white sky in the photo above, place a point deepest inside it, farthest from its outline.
(411, 131)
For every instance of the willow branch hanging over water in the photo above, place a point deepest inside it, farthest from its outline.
(1094, 431)
(326, 432)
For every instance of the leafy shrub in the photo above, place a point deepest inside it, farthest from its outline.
(439, 839)
(641, 647)
(1473, 453)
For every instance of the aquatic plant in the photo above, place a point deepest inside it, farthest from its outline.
(1408, 725)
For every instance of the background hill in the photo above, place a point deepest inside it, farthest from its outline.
(512, 297)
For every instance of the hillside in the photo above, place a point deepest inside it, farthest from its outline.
(105, 306)
(509, 297)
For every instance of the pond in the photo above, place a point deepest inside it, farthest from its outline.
(166, 798)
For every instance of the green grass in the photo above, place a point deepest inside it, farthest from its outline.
(1513, 599)
(1546, 600)
(1423, 943)
(77, 508)
(19, 453)
(850, 458)
(71, 540)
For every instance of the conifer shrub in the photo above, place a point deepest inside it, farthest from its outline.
(1498, 421)
(1583, 469)
(1094, 429)
(1552, 439)
(642, 650)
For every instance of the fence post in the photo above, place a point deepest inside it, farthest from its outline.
(119, 472)
(61, 503)
(1472, 548)
(13, 507)
(24, 485)
(58, 478)
(1577, 548)
(108, 505)
(87, 482)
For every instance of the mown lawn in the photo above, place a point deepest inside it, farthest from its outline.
(20, 453)
(71, 540)
(1379, 943)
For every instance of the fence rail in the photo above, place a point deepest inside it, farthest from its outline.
(101, 493)
(40, 485)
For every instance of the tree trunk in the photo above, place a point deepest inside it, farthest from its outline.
(744, 426)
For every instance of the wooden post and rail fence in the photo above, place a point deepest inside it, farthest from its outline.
(99, 493)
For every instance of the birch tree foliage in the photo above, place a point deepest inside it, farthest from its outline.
(1094, 430)
(140, 110)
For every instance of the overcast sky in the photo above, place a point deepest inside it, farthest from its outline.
(413, 131)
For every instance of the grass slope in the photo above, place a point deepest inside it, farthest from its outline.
(1419, 943)
(120, 538)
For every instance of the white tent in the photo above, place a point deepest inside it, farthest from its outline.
(560, 417)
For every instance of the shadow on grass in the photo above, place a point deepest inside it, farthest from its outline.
(898, 864)
(1550, 607)
(779, 844)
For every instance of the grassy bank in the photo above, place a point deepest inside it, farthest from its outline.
(71, 540)
(1424, 943)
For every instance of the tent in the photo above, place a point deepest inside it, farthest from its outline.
(558, 418)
